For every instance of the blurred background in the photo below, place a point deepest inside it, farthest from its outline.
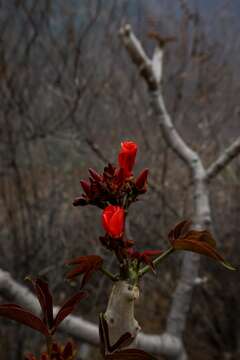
(68, 96)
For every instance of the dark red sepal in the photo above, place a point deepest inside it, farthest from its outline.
(141, 181)
(80, 201)
(86, 187)
(96, 176)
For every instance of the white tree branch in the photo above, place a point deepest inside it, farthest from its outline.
(152, 77)
(79, 328)
(183, 294)
(224, 159)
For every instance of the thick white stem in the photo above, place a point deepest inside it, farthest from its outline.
(120, 311)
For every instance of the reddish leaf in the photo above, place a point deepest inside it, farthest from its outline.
(86, 266)
(17, 313)
(130, 354)
(201, 242)
(68, 351)
(67, 308)
(45, 300)
(179, 230)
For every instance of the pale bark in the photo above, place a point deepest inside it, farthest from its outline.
(182, 296)
(224, 159)
(120, 311)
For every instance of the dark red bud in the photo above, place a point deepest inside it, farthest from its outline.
(80, 201)
(109, 170)
(121, 175)
(141, 180)
(86, 187)
(95, 175)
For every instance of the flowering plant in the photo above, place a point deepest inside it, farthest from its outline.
(113, 191)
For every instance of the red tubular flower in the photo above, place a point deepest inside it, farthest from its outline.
(126, 157)
(113, 220)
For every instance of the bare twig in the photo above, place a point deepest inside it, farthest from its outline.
(224, 159)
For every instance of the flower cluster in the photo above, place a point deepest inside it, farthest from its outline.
(114, 191)
(116, 185)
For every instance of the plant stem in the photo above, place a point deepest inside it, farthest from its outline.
(109, 274)
(49, 345)
(156, 261)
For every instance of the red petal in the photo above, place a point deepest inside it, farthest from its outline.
(116, 224)
(126, 157)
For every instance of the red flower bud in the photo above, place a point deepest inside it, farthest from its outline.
(126, 157)
(113, 220)
(141, 180)
(86, 187)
